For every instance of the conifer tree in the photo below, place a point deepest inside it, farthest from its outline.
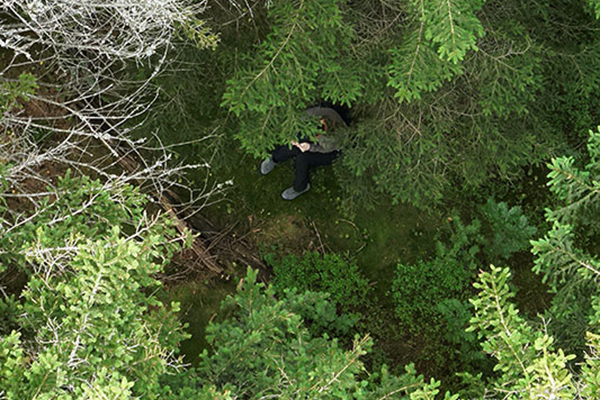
(529, 366)
(301, 60)
(572, 270)
(444, 94)
(85, 326)
(264, 350)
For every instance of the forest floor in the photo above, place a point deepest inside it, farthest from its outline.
(375, 239)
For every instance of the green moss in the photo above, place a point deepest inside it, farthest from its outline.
(378, 239)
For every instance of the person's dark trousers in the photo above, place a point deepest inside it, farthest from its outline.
(302, 161)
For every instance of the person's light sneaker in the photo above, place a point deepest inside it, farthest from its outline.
(291, 194)
(267, 165)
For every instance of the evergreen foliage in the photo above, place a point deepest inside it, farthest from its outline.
(431, 296)
(577, 189)
(100, 333)
(425, 71)
(510, 229)
(452, 26)
(445, 94)
(595, 4)
(501, 96)
(528, 364)
(572, 271)
(419, 289)
(299, 62)
(263, 349)
(86, 325)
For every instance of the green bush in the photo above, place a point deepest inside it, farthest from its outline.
(319, 313)
(419, 288)
(463, 245)
(12, 92)
(329, 273)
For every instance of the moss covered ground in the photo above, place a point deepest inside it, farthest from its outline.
(377, 239)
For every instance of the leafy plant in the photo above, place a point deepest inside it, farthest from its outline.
(329, 273)
(11, 92)
(418, 289)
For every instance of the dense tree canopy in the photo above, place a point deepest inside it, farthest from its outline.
(443, 92)
(449, 99)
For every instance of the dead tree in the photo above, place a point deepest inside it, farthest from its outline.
(95, 64)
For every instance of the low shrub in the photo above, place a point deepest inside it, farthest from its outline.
(329, 273)
(419, 288)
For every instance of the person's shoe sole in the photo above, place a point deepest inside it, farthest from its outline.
(291, 194)
(267, 165)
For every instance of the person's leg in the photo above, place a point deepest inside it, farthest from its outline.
(284, 153)
(279, 155)
(303, 161)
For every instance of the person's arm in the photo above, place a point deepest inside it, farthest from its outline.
(325, 145)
